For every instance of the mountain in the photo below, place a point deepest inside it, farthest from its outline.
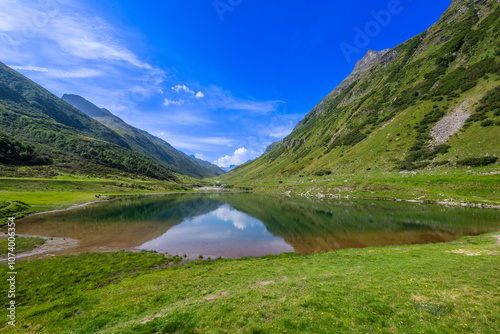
(145, 143)
(432, 102)
(227, 169)
(42, 132)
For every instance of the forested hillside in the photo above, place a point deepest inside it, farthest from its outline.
(43, 135)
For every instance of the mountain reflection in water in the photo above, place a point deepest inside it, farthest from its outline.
(237, 225)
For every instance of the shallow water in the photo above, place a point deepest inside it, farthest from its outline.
(238, 225)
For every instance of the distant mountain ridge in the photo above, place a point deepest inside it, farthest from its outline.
(145, 143)
(229, 168)
(86, 106)
(40, 131)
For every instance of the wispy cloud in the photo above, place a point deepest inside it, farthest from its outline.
(59, 27)
(199, 156)
(219, 98)
(188, 93)
(279, 129)
(184, 88)
(168, 102)
(183, 117)
(56, 40)
(58, 73)
(195, 143)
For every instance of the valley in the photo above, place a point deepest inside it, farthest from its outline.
(378, 211)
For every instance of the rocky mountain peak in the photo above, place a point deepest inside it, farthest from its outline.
(372, 57)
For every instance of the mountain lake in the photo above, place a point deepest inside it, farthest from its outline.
(247, 225)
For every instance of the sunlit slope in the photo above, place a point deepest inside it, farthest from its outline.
(42, 135)
(432, 102)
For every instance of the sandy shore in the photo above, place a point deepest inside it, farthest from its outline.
(50, 245)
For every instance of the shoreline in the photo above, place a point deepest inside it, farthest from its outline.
(75, 206)
(332, 196)
(287, 194)
(51, 244)
(106, 198)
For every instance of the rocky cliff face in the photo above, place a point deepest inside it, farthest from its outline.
(370, 59)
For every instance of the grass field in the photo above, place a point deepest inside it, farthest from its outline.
(23, 244)
(434, 288)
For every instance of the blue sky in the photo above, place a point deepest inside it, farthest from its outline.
(217, 79)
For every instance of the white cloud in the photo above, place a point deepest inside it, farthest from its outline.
(57, 73)
(239, 220)
(53, 41)
(168, 102)
(184, 88)
(199, 95)
(62, 30)
(199, 156)
(239, 157)
(29, 68)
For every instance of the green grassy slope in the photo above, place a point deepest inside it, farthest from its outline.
(380, 119)
(143, 142)
(435, 288)
(42, 132)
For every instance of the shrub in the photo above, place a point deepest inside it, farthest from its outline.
(475, 162)
(441, 149)
(323, 172)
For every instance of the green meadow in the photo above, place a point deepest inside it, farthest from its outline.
(23, 244)
(435, 288)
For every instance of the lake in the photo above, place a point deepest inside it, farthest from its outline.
(245, 224)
